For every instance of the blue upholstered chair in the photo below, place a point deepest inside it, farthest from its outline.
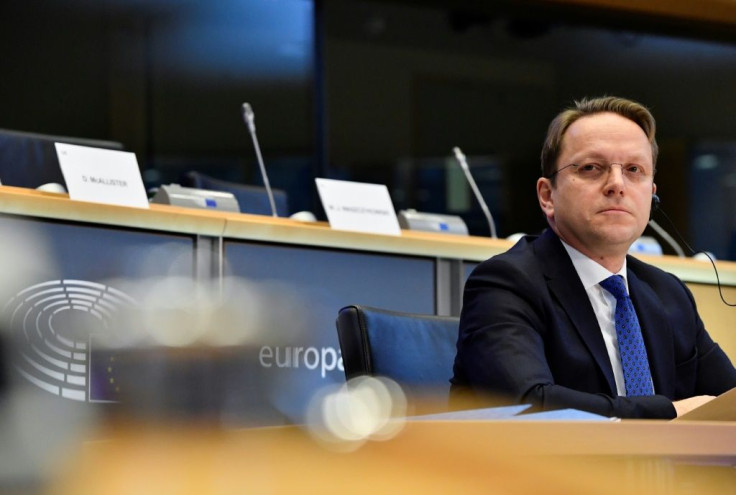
(251, 199)
(415, 350)
(29, 160)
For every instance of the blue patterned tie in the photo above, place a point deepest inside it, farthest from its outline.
(634, 360)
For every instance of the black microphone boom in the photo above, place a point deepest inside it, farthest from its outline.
(464, 165)
(250, 121)
(653, 224)
(659, 230)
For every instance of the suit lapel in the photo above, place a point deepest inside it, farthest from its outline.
(565, 286)
(656, 332)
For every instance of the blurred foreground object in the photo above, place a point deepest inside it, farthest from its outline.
(344, 417)
(426, 457)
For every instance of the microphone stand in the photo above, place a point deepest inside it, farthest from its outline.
(250, 121)
(464, 165)
(668, 238)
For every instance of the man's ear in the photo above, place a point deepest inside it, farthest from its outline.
(544, 195)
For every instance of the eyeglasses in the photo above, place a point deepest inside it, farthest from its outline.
(594, 171)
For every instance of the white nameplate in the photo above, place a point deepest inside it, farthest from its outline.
(358, 207)
(102, 176)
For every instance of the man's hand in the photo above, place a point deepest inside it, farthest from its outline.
(686, 405)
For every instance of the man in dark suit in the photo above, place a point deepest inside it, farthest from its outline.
(542, 324)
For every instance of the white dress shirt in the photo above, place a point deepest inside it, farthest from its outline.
(604, 305)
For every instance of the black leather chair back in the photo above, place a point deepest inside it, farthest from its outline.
(415, 350)
(251, 199)
(29, 160)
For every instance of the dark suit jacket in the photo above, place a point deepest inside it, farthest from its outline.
(528, 332)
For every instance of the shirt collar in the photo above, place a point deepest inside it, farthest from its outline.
(590, 272)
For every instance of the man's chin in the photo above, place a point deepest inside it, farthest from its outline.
(621, 237)
(620, 231)
(619, 243)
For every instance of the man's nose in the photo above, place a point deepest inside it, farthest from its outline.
(615, 178)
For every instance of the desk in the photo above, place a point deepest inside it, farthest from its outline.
(327, 269)
(646, 457)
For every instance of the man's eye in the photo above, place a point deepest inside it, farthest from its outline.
(590, 167)
(634, 169)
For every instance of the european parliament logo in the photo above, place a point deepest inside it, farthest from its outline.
(63, 329)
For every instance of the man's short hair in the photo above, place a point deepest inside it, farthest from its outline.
(629, 109)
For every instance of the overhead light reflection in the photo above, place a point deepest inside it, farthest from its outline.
(344, 417)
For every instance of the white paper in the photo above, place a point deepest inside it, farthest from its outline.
(101, 176)
(722, 408)
(358, 206)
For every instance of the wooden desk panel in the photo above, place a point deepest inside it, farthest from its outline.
(19, 201)
(426, 457)
(719, 319)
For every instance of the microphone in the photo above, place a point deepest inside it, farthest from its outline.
(659, 230)
(708, 256)
(460, 157)
(250, 121)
